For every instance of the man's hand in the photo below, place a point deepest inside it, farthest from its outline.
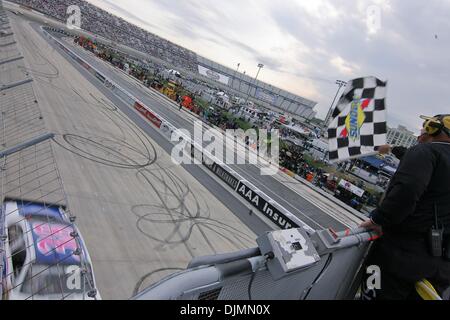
(370, 225)
(384, 149)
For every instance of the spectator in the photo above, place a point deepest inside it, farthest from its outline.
(104, 24)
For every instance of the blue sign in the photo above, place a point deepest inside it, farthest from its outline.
(40, 210)
(54, 243)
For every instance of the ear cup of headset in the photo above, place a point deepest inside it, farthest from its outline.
(446, 124)
(434, 126)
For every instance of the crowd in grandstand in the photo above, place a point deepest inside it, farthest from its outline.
(109, 26)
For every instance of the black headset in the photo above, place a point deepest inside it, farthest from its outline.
(437, 124)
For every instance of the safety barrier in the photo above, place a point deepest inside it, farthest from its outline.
(3, 237)
(272, 210)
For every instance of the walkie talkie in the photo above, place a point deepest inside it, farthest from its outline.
(436, 236)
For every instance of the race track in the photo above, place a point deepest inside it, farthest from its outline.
(141, 216)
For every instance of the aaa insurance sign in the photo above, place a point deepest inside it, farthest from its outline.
(213, 75)
(265, 207)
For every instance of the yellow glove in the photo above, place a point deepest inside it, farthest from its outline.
(426, 290)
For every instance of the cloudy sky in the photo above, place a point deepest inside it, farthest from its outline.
(307, 44)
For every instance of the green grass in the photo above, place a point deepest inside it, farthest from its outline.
(183, 92)
(283, 145)
(201, 103)
(314, 163)
(244, 125)
(227, 115)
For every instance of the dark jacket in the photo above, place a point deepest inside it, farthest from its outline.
(421, 182)
(399, 152)
(407, 213)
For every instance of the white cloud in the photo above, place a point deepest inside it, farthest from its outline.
(345, 67)
(307, 45)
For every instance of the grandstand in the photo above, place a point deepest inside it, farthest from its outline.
(102, 23)
(106, 25)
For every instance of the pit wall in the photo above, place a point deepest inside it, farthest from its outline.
(273, 211)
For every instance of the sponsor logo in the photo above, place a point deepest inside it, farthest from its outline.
(265, 207)
(216, 76)
(55, 239)
(213, 75)
(355, 119)
(228, 178)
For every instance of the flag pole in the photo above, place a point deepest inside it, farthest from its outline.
(340, 84)
(354, 157)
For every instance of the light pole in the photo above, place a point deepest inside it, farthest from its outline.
(240, 81)
(340, 84)
(235, 73)
(260, 66)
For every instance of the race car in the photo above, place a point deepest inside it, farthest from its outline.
(45, 255)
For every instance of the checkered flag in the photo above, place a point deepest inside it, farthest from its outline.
(358, 123)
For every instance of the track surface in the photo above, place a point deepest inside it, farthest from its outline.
(141, 216)
(299, 203)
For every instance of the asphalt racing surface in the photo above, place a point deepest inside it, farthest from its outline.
(310, 212)
(141, 216)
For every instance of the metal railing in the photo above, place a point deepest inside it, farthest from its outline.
(29, 174)
(2, 221)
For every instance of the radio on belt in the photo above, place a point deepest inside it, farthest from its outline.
(292, 250)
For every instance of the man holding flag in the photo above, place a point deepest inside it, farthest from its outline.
(414, 217)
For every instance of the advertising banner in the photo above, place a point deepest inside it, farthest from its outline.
(351, 187)
(100, 77)
(148, 114)
(266, 96)
(227, 177)
(213, 75)
(255, 199)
